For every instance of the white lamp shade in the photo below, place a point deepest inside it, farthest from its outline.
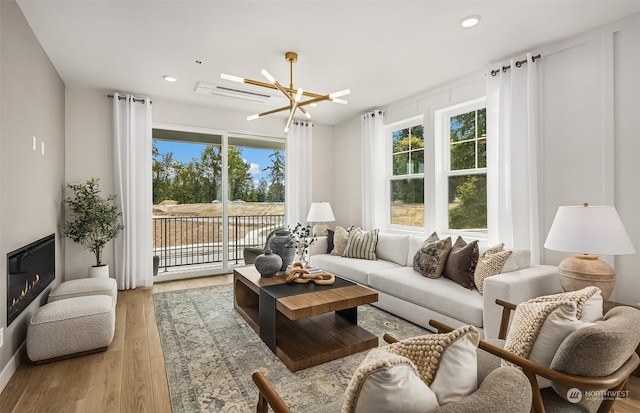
(594, 230)
(320, 212)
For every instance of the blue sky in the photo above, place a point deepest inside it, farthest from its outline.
(185, 152)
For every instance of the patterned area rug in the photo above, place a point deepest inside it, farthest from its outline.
(210, 354)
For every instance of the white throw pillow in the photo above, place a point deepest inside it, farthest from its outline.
(395, 389)
(457, 376)
(558, 325)
(592, 309)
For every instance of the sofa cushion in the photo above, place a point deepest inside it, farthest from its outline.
(393, 247)
(461, 262)
(415, 243)
(431, 258)
(353, 269)
(441, 295)
(361, 244)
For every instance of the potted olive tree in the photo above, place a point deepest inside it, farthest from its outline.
(93, 221)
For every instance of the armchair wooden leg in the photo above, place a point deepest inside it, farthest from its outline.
(268, 396)
(536, 400)
(263, 406)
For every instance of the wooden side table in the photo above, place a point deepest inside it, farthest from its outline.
(612, 304)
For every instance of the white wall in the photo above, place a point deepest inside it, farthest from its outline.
(31, 184)
(89, 154)
(590, 128)
(89, 149)
(591, 132)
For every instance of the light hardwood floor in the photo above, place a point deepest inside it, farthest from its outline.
(129, 377)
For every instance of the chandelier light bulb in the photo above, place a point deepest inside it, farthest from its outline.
(232, 78)
(253, 117)
(298, 95)
(169, 78)
(339, 93)
(266, 74)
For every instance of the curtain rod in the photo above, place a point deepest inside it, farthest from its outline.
(518, 64)
(135, 100)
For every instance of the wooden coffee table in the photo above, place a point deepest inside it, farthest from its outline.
(303, 324)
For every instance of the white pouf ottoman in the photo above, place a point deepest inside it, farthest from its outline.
(84, 287)
(71, 327)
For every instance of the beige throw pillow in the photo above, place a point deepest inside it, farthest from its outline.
(340, 238)
(489, 264)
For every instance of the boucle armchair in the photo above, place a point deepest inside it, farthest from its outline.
(503, 389)
(593, 362)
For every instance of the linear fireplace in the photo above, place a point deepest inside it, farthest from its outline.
(30, 270)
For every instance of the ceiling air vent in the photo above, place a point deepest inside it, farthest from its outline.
(203, 88)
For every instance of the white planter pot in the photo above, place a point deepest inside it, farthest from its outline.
(99, 272)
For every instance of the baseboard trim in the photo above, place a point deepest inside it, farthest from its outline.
(12, 366)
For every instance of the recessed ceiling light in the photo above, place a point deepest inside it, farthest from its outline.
(169, 78)
(470, 21)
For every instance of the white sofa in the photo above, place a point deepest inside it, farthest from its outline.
(407, 294)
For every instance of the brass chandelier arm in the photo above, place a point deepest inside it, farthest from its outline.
(272, 111)
(290, 96)
(300, 104)
(282, 88)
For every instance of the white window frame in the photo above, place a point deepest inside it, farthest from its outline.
(443, 166)
(389, 129)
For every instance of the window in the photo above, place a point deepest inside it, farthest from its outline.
(407, 176)
(439, 182)
(464, 195)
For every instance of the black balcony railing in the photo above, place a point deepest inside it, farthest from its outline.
(182, 241)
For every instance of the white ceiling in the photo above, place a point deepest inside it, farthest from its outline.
(382, 50)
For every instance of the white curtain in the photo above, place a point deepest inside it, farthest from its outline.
(373, 172)
(132, 180)
(298, 167)
(513, 146)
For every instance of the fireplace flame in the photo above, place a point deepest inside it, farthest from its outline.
(27, 287)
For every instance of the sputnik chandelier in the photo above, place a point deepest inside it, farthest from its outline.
(294, 95)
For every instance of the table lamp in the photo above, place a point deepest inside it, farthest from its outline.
(588, 231)
(321, 213)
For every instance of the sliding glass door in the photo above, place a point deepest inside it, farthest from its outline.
(214, 194)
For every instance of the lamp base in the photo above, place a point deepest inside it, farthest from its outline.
(320, 229)
(584, 270)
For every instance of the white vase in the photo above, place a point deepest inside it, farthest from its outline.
(101, 271)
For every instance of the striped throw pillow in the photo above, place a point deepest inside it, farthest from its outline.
(361, 244)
